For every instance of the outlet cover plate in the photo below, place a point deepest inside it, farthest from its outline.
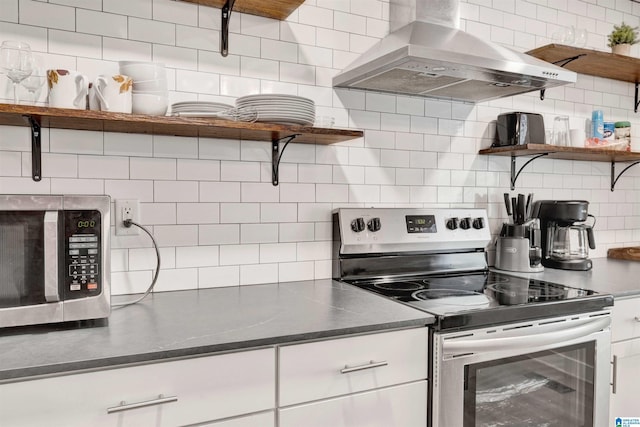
(134, 206)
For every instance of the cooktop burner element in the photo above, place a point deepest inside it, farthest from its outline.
(435, 260)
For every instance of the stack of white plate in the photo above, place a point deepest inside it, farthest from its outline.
(280, 108)
(200, 109)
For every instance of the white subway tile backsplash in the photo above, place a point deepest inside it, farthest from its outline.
(150, 31)
(239, 254)
(134, 189)
(259, 68)
(277, 252)
(175, 11)
(47, 15)
(130, 282)
(75, 142)
(292, 271)
(176, 235)
(146, 259)
(239, 212)
(198, 213)
(101, 23)
(258, 233)
(152, 168)
(11, 163)
(314, 212)
(108, 167)
(213, 277)
(9, 11)
(296, 232)
(298, 33)
(158, 213)
(141, 9)
(197, 256)
(90, 45)
(77, 186)
(297, 73)
(258, 273)
(239, 171)
(175, 191)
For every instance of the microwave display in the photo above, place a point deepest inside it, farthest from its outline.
(82, 254)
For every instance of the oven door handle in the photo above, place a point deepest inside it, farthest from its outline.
(536, 338)
(51, 293)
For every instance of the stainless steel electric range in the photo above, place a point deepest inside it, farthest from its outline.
(501, 344)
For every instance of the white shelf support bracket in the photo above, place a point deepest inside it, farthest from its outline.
(224, 29)
(514, 174)
(36, 147)
(276, 156)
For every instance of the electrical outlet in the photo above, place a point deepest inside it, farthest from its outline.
(127, 209)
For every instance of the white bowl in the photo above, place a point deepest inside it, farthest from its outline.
(142, 71)
(153, 105)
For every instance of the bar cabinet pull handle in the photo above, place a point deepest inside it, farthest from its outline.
(614, 378)
(637, 318)
(125, 407)
(369, 365)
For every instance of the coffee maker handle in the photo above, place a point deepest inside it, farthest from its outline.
(591, 238)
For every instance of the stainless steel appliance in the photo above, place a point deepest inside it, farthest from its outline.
(566, 239)
(506, 350)
(518, 128)
(426, 54)
(54, 259)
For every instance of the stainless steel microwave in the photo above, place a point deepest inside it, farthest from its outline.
(54, 259)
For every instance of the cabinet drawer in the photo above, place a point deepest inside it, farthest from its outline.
(331, 368)
(206, 388)
(404, 405)
(625, 322)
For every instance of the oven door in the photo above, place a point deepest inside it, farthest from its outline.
(551, 372)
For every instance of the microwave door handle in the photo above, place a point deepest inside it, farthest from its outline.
(51, 293)
(526, 340)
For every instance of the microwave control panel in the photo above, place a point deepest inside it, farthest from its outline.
(82, 254)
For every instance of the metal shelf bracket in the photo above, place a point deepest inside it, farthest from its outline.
(514, 175)
(276, 156)
(614, 178)
(636, 102)
(224, 31)
(565, 61)
(36, 147)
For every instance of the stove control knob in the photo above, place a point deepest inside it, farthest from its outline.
(357, 225)
(465, 223)
(478, 223)
(374, 224)
(452, 223)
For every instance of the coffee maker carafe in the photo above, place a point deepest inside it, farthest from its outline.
(566, 239)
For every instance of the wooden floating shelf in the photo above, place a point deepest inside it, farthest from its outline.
(62, 118)
(592, 62)
(564, 153)
(276, 9)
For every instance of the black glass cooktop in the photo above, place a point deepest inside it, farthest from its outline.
(486, 297)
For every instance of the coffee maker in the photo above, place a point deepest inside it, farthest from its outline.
(566, 239)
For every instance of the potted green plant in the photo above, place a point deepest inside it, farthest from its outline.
(622, 37)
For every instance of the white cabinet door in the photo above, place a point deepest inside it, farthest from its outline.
(625, 322)
(625, 393)
(331, 368)
(398, 406)
(205, 389)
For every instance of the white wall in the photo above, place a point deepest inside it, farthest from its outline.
(210, 203)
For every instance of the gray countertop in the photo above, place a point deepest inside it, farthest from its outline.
(619, 278)
(185, 323)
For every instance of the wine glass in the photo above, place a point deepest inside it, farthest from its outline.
(16, 61)
(36, 79)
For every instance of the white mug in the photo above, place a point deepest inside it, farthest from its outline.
(113, 93)
(67, 89)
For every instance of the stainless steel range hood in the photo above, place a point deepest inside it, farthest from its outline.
(428, 56)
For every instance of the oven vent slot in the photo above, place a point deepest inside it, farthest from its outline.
(550, 322)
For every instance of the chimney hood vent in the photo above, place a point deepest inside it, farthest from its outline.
(428, 57)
